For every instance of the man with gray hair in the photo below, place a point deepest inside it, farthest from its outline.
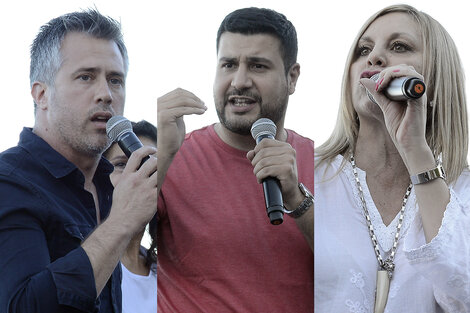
(60, 237)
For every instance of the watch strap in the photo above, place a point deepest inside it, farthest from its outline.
(426, 176)
(304, 205)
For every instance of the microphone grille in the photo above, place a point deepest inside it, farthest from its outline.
(117, 126)
(375, 77)
(263, 126)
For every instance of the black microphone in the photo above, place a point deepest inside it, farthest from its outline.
(119, 129)
(401, 88)
(265, 128)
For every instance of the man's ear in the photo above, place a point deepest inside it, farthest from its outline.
(38, 92)
(292, 77)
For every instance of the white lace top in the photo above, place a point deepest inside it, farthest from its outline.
(428, 278)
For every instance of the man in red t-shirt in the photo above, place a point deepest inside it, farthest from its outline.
(217, 250)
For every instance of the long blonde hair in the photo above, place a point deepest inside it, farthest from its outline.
(446, 126)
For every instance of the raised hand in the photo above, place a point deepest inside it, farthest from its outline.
(171, 108)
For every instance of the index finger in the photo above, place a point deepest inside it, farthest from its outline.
(137, 157)
(180, 97)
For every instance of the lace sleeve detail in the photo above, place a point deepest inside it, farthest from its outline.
(445, 261)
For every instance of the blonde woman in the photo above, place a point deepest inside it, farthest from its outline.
(392, 212)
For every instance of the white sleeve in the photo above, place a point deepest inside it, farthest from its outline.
(445, 261)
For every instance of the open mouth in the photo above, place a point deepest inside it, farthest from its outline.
(240, 101)
(101, 117)
(368, 74)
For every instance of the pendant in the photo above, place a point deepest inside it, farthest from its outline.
(381, 293)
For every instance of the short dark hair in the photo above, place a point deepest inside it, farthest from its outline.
(145, 129)
(45, 50)
(251, 21)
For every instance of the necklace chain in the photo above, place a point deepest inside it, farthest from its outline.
(388, 264)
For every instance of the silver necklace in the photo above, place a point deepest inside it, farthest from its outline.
(386, 268)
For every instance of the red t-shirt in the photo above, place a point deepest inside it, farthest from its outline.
(217, 251)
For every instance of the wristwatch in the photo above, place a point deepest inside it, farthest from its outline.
(424, 177)
(304, 205)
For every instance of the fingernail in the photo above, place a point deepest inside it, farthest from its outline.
(396, 71)
(378, 84)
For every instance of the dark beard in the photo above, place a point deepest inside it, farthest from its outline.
(242, 126)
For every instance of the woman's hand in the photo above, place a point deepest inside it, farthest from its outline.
(405, 120)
